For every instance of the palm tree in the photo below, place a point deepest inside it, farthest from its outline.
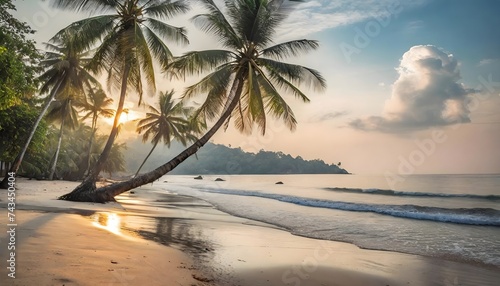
(170, 120)
(130, 38)
(64, 61)
(62, 111)
(245, 81)
(95, 105)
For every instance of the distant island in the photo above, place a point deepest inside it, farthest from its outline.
(219, 159)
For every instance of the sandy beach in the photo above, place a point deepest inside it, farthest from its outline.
(152, 237)
(57, 243)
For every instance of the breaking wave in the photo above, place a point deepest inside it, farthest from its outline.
(412, 194)
(471, 216)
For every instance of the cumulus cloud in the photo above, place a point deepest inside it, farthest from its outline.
(426, 94)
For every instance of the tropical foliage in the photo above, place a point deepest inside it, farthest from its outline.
(72, 162)
(64, 112)
(169, 121)
(246, 81)
(249, 64)
(14, 122)
(18, 58)
(129, 39)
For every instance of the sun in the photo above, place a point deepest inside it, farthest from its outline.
(125, 117)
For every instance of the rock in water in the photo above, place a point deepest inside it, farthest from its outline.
(198, 178)
(279, 183)
(219, 180)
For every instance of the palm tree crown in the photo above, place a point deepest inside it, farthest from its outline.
(65, 71)
(249, 60)
(129, 38)
(170, 120)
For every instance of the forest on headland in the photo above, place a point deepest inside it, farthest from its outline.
(220, 159)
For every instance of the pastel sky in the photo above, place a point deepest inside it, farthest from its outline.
(413, 85)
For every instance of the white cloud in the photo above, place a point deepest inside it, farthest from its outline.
(426, 94)
(318, 15)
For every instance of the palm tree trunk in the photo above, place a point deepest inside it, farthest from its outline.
(91, 141)
(107, 193)
(114, 131)
(19, 159)
(56, 156)
(88, 186)
(145, 159)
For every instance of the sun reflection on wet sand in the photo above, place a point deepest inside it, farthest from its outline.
(108, 221)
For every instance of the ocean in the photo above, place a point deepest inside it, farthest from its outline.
(455, 217)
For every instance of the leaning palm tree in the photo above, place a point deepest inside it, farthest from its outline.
(246, 81)
(165, 123)
(63, 111)
(129, 38)
(64, 70)
(94, 105)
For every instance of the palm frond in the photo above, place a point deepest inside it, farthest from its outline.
(104, 57)
(169, 32)
(292, 48)
(88, 31)
(86, 5)
(275, 104)
(215, 23)
(255, 103)
(145, 59)
(160, 51)
(216, 81)
(167, 9)
(197, 62)
(296, 74)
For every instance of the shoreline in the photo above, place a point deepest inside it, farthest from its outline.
(217, 248)
(56, 243)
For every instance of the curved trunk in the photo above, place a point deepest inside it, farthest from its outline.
(19, 159)
(107, 193)
(145, 159)
(56, 156)
(89, 183)
(114, 131)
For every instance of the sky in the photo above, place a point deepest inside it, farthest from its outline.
(413, 85)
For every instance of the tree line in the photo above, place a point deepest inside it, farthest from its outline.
(243, 81)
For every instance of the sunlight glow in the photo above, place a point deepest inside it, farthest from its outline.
(124, 117)
(108, 221)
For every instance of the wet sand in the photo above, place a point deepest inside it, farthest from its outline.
(58, 244)
(160, 238)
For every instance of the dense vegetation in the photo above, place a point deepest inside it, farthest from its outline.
(19, 65)
(220, 159)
